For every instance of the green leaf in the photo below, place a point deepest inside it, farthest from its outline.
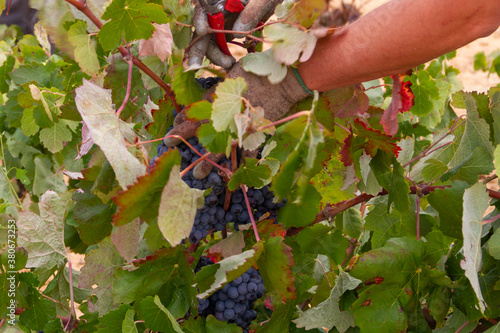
(100, 265)
(94, 105)
(433, 169)
(494, 329)
(210, 278)
(480, 61)
(214, 325)
(264, 64)
(143, 197)
(45, 178)
(306, 11)
(112, 321)
(228, 103)
(328, 314)
(290, 43)
(178, 207)
(213, 141)
(151, 274)
(53, 138)
(392, 278)
(425, 90)
(494, 245)
(128, 325)
(320, 239)
(449, 204)
(301, 214)
(494, 94)
(275, 265)
(43, 235)
(476, 134)
(199, 111)
(22, 177)
(475, 204)
(186, 89)
(28, 123)
(5, 69)
(131, 20)
(85, 53)
(251, 174)
(157, 317)
(162, 119)
(230, 246)
(352, 222)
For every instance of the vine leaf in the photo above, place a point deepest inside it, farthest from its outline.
(85, 52)
(157, 317)
(228, 103)
(368, 139)
(112, 321)
(210, 278)
(142, 198)
(475, 204)
(94, 105)
(232, 245)
(402, 101)
(162, 119)
(264, 64)
(345, 102)
(39, 310)
(53, 138)
(290, 43)
(328, 314)
(425, 91)
(306, 11)
(131, 20)
(43, 235)
(251, 174)
(185, 87)
(392, 278)
(178, 206)
(275, 265)
(126, 239)
(160, 44)
(100, 265)
(494, 245)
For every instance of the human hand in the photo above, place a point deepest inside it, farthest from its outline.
(236, 15)
(275, 99)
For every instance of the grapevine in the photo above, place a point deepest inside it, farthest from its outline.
(367, 208)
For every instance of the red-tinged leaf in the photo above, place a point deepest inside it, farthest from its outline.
(199, 111)
(346, 151)
(142, 198)
(160, 44)
(126, 239)
(375, 140)
(402, 101)
(275, 265)
(162, 119)
(229, 246)
(268, 229)
(234, 6)
(87, 142)
(347, 101)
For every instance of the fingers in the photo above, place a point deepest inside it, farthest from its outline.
(187, 130)
(217, 57)
(254, 12)
(198, 50)
(203, 169)
(200, 21)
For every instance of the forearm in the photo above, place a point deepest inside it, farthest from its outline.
(396, 37)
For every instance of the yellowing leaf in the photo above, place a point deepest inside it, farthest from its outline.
(290, 43)
(228, 103)
(85, 53)
(178, 207)
(94, 105)
(160, 44)
(54, 137)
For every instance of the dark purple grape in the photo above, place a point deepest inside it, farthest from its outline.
(229, 314)
(229, 303)
(243, 288)
(236, 209)
(233, 292)
(220, 316)
(219, 306)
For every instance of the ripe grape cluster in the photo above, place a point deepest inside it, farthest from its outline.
(213, 216)
(233, 303)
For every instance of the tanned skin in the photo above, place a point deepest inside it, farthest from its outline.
(396, 37)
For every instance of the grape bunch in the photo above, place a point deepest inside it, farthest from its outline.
(233, 303)
(208, 82)
(213, 216)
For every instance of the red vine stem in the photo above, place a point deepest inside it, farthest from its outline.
(462, 327)
(129, 84)
(353, 242)
(81, 5)
(284, 120)
(254, 225)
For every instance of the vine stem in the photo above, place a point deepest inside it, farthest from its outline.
(81, 5)
(462, 327)
(56, 301)
(349, 251)
(254, 225)
(427, 151)
(227, 171)
(284, 120)
(72, 300)
(129, 83)
(491, 220)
